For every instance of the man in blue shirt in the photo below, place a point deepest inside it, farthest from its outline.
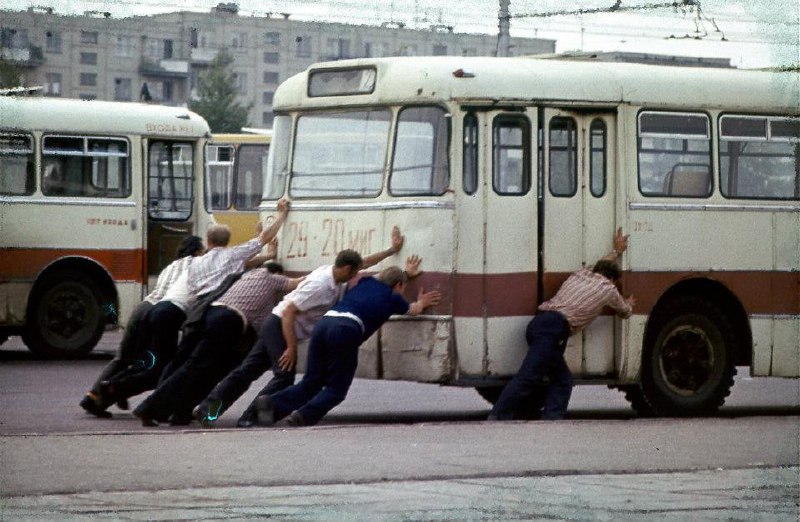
(333, 348)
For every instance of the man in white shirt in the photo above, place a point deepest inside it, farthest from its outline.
(290, 322)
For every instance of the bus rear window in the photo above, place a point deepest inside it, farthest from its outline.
(341, 82)
(219, 176)
(250, 170)
(16, 164)
(340, 154)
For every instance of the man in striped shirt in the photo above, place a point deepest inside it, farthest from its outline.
(577, 303)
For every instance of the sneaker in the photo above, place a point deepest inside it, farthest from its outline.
(207, 413)
(265, 411)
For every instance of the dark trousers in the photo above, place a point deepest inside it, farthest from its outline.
(332, 362)
(128, 351)
(544, 375)
(164, 323)
(213, 357)
(261, 357)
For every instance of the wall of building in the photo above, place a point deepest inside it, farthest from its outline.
(162, 56)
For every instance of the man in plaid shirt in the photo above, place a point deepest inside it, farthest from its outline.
(577, 303)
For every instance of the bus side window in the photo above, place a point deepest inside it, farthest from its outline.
(674, 154)
(16, 165)
(511, 155)
(563, 157)
(759, 157)
(470, 154)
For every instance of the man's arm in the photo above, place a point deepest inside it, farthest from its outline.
(424, 300)
(294, 283)
(260, 259)
(397, 244)
(620, 246)
(268, 234)
(289, 357)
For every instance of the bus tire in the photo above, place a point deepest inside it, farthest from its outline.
(64, 316)
(687, 365)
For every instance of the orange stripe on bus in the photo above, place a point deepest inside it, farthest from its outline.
(27, 263)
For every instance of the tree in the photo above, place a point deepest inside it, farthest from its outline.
(216, 101)
(10, 74)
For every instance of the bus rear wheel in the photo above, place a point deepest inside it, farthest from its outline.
(687, 366)
(64, 316)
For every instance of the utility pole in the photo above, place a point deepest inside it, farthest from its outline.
(503, 36)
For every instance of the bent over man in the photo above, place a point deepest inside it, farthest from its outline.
(333, 348)
(577, 303)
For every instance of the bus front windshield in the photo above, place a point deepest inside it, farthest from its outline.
(340, 154)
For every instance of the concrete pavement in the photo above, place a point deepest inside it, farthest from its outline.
(739, 494)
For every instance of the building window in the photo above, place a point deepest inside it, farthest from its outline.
(53, 42)
(267, 97)
(166, 91)
(271, 57)
(167, 49)
(153, 48)
(266, 118)
(87, 96)
(124, 47)
(53, 84)
(193, 37)
(338, 48)
(439, 50)
(270, 77)
(241, 82)
(89, 37)
(469, 51)
(272, 38)
(88, 58)
(408, 50)
(303, 46)
(88, 79)
(122, 89)
(239, 41)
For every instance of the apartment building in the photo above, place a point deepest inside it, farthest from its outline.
(159, 58)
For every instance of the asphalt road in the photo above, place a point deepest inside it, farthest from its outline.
(429, 442)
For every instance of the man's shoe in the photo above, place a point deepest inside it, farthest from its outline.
(89, 404)
(122, 404)
(265, 411)
(180, 419)
(245, 422)
(207, 413)
(145, 417)
(295, 419)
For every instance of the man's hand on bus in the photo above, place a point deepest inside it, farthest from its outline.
(288, 358)
(620, 242)
(424, 300)
(269, 233)
(412, 266)
(283, 206)
(397, 240)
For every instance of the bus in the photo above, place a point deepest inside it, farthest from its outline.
(235, 167)
(508, 174)
(94, 199)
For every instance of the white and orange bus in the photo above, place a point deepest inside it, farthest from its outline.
(507, 174)
(94, 199)
(235, 167)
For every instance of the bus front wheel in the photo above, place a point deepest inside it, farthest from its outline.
(687, 364)
(64, 316)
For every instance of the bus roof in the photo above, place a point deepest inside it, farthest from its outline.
(488, 81)
(81, 116)
(240, 138)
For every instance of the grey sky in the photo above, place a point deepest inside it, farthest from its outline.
(752, 33)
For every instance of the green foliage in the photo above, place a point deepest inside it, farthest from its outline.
(216, 101)
(10, 75)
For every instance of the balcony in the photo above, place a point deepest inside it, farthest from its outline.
(202, 55)
(164, 68)
(28, 56)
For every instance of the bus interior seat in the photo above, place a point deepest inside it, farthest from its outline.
(687, 183)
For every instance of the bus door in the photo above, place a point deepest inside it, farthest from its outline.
(510, 236)
(171, 189)
(579, 219)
